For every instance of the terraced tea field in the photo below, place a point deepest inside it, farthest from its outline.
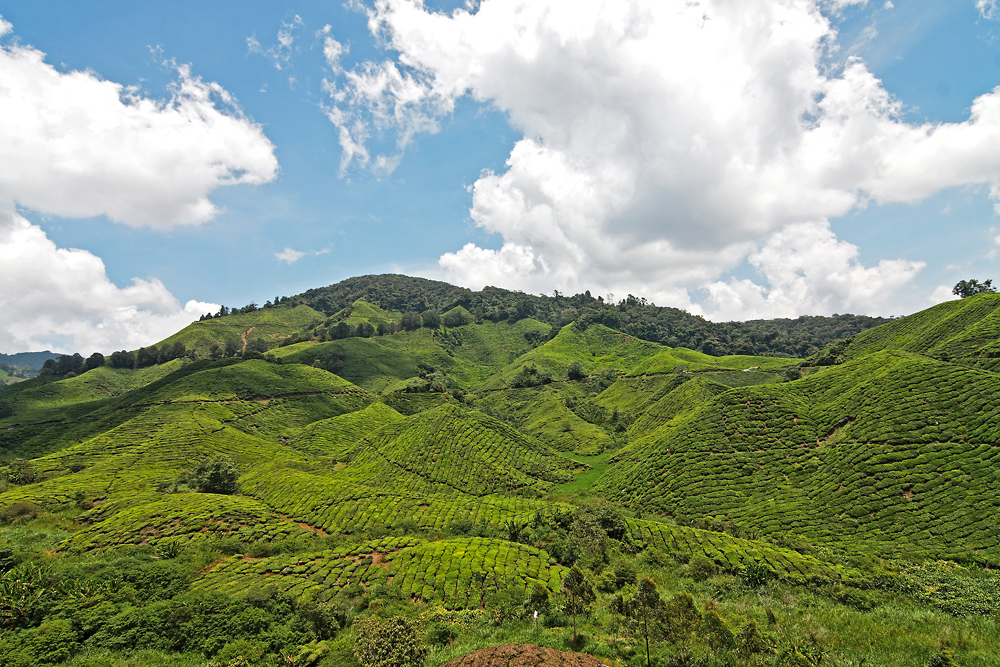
(456, 573)
(435, 474)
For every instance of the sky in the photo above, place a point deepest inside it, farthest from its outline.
(740, 160)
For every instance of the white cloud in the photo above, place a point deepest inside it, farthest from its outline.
(941, 294)
(290, 256)
(61, 299)
(987, 8)
(280, 54)
(333, 51)
(809, 270)
(75, 145)
(664, 140)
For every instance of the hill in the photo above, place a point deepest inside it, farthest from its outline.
(303, 465)
(635, 316)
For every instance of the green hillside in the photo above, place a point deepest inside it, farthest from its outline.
(296, 468)
(965, 331)
(269, 325)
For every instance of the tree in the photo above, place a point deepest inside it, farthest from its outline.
(123, 359)
(966, 288)
(455, 317)
(411, 321)
(579, 591)
(232, 347)
(96, 360)
(147, 356)
(217, 475)
(681, 617)
(69, 364)
(575, 371)
(647, 611)
(430, 319)
(393, 642)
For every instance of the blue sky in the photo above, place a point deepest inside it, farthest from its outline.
(642, 148)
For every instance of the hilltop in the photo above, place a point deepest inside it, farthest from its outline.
(357, 451)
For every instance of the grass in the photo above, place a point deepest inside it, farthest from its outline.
(582, 485)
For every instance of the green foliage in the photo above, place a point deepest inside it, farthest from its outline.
(579, 594)
(216, 475)
(529, 376)
(19, 512)
(967, 288)
(20, 471)
(393, 642)
(631, 315)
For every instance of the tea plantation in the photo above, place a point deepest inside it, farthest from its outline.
(478, 476)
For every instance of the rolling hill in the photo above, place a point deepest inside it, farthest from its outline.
(380, 463)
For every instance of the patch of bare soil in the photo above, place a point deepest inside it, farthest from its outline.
(524, 655)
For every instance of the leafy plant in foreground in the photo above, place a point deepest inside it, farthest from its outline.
(393, 642)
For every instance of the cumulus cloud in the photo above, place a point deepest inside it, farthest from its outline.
(808, 269)
(75, 145)
(61, 299)
(940, 294)
(664, 141)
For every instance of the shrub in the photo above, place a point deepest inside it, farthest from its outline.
(575, 371)
(217, 475)
(430, 319)
(530, 376)
(440, 634)
(19, 512)
(754, 574)
(20, 471)
(393, 642)
(701, 568)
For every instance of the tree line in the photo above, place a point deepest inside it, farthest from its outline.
(636, 316)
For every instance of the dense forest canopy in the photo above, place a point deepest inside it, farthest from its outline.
(800, 337)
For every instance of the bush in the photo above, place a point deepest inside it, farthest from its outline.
(754, 574)
(430, 319)
(701, 568)
(217, 475)
(440, 634)
(393, 642)
(530, 376)
(575, 371)
(19, 512)
(411, 321)
(21, 471)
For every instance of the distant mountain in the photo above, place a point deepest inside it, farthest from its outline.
(30, 362)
